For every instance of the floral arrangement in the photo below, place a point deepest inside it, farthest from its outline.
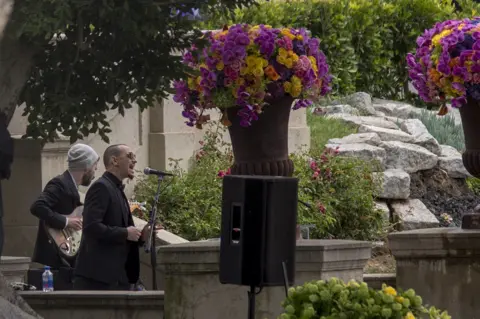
(335, 299)
(248, 66)
(446, 64)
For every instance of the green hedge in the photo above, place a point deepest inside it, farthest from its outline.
(365, 41)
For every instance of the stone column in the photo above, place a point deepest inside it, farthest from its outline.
(442, 265)
(193, 290)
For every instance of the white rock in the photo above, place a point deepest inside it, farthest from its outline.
(361, 101)
(395, 120)
(342, 108)
(394, 108)
(450, 160)
(367, 138)
(360, 150)
(364, 120)
(395, 184)
(422, 137)
(383, 207)
(386, 134)
(413, 214)
(379, 114)
(409, 157)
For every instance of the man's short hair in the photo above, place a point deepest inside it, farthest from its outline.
(112, 150)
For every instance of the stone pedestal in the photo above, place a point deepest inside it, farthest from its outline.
(96, 304)
(442, 265)
(193, 290)
(14, 269)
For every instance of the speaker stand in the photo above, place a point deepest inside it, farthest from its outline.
(285, 278)
(251, 302)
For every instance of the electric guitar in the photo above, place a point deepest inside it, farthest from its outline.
(68, 239)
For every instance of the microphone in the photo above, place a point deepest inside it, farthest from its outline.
(151, 171)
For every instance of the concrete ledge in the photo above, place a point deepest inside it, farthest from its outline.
(376, 281)
(96, 304)
(435, 242)
(14, 268)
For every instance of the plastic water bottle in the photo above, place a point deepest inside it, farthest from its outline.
(47, 279)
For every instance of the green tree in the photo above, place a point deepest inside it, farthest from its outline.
(69, 61)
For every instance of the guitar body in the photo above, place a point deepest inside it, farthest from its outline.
(67, 240)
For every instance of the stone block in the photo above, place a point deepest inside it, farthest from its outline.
(14, 269)
(193, 288)
(442, 266)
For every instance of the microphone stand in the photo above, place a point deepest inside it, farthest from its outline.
(150, 244)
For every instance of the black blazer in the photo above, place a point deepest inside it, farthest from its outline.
(105, 254)
(6, 150)
(60, 197)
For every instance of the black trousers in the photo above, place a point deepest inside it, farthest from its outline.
(82, 283)
(2, 232)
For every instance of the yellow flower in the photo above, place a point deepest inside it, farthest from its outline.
(289, 63)
(436, 39)
(390, 291)
(409, 316)
(258, 72)
(199, 79)
(287, 86)
(295, 92)
(220, 66)
(296, 81)
(282, 52)
(191, 83)
(300, 37)
(399, 299)
(240, 81)
(286, 32)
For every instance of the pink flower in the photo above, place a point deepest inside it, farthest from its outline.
(315, 175)
(321, 208)
(313, 165)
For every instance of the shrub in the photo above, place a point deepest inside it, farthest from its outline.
(190, 204)
(443, 128)
(365, 41)
(334, 299)
(340, 192)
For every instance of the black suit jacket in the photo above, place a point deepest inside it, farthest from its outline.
(105, 254)
(6, 150)
(59, 198)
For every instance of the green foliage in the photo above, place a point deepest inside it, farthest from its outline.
(190, 205)
(341, 192)
(94, 56)
(365, 41)
(322, 129)
(443, 128)
(334, 299)
(474, 185)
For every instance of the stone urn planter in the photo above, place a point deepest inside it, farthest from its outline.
(470, 114)
(262, 148)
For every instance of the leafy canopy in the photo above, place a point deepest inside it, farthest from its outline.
(95, 56)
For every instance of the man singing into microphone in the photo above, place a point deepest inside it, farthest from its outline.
(108, 258)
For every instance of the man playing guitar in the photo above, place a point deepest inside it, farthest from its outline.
(58, 200)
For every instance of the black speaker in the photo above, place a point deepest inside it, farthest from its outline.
(258, 233)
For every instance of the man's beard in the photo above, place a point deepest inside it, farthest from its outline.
(87, 179)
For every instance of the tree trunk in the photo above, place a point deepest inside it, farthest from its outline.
(16, 60)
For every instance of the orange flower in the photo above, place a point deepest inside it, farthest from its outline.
(271, 73)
